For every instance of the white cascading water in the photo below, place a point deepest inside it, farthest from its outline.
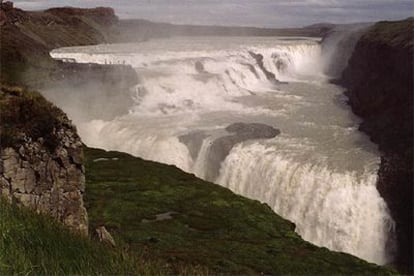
(320, 172)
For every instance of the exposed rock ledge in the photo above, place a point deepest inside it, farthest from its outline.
(221, 146)
(47, 177)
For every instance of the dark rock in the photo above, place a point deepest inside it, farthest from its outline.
(199, 67)
(6, 6)
(153, 240)
(253, 130)
(193, 141)
(222, 146)
(379, 79)
(269, 75)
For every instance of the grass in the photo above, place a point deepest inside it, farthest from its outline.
(209, 225)
(394, 33)
(32, 244)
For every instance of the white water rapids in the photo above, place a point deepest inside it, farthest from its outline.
(320, 172)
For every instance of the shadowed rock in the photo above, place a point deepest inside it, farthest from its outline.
(269, 75)
(222, 146)
(193, 141)
(199, 67)
(253, 130)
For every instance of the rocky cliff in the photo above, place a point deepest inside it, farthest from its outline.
(41, 154)
(28, 37)
(41, 158)
(379, 81)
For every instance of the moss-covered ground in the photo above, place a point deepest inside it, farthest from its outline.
(157, 210)
(32, 244)
(392, 33)
(26, 114)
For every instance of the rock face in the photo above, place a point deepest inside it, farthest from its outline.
(259, 60)
(47, 177)
(240, 132)
(379, 79)
(28, 37)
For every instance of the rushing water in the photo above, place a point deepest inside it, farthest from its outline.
(320, 172)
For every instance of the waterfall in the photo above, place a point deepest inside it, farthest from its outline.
(319, 173)
(340, 210)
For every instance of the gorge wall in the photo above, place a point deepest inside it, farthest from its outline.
(379, 81)
(27, 37)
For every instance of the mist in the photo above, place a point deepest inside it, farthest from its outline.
(338, 45)
(262, 13)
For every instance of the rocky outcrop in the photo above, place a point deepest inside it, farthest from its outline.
(105, 237)
(101, 15)
(259, 60)
(240, 132)
(379, 79)
(41, 158)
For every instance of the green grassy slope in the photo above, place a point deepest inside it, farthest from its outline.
(32, 244)
(207, 225)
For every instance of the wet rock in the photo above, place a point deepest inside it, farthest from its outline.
(199, 67)
(193, 141)
(241, 132)
(253, 130)
(259, 60)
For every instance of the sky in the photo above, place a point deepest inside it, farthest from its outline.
(260, 13)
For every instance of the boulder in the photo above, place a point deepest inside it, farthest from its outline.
(199, 67)
(104, 236)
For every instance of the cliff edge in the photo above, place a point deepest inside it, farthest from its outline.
(379, 81)
(41, 158)
(27, 37)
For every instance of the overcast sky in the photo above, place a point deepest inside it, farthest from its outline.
(266, 13)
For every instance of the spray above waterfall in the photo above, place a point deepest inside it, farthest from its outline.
(311, 165)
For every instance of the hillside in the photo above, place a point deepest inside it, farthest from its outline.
(27, 38)
(379, 81)
(212, 231)
(33, 244)
(140, 29)
(159, 211)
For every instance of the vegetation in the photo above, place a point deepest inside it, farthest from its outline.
(395, 33)
(158, 211)
(26, 115)
(32, 244)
